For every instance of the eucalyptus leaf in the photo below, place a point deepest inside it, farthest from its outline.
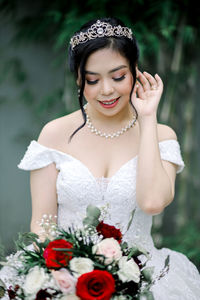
(137, 250)
(147, 295)
(133, 252)
(86, 221)
(90, 221)
(95, 223)
(141, 250)
(93, 211)
(148, 273)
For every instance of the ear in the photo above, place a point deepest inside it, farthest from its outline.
(137, 71)
(78, 80)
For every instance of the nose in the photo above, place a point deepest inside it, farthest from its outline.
(106, 88)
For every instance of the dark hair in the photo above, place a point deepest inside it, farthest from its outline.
(77, 57)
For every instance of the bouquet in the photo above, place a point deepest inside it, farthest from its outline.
(88, 263)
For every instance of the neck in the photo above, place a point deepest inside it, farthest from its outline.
(115, 121)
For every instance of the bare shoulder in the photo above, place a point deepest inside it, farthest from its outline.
(55, 133)
(166, 133)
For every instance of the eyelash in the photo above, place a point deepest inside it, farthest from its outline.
(95, 81)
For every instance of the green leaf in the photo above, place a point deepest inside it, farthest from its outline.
(148, 273)
(25, 239)
(131, 219)
(133, 252)
(137, 250)
(92, 216)
(63, 249)
(143, 251)
(90, 221)
(167, 261)
(147, 295)
(93, 211)
(124, 245)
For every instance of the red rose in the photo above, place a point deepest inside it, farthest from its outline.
(98, 285)
(55, 258)
(109, 231)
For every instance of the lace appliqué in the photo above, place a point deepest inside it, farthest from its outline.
(77, 187)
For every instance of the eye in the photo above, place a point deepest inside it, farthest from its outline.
(91, 81)
(119, 78)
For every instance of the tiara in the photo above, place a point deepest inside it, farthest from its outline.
(100, 29)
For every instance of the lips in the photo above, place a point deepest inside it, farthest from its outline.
(109, 103)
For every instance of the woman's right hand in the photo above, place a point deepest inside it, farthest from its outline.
(147, 94)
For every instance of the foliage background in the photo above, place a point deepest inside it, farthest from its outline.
(168, 33)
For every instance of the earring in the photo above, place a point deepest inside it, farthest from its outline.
(79, 92)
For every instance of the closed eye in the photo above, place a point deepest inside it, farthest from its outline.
(91, 81)
(119, 78)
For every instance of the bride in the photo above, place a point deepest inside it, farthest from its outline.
(112, 152)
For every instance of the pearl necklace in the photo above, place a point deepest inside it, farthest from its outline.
(108, 135)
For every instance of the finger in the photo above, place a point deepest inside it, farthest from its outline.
(159, 81)
(134, 95)
(151, 79)
(140, 90)
(144, 81)
(135, 87)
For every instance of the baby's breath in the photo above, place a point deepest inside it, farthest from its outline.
(49, 227)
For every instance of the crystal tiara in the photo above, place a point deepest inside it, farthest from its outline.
(100, 29)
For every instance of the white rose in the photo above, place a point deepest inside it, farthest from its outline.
(70, 297)
(128, 270)
(110, 248)
(81, 265)
(34, 280)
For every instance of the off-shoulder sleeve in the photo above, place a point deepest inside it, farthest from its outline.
(38, 156)
(170, 151)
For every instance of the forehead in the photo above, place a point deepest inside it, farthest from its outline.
(104, 60)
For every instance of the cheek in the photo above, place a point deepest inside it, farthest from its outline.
(126, 87)
(90, 92)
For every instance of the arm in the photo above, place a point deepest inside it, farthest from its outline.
(43, 189)
(43, 195)
(155, 178)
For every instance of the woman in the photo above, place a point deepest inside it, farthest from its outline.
(112, 153)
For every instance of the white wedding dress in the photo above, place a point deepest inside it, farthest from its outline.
(77, 187)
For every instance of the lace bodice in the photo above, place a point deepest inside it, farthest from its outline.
(77, 187)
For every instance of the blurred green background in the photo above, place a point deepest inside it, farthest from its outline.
(36, 87)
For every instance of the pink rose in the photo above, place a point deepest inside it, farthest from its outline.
(65, 281)
(110, 248)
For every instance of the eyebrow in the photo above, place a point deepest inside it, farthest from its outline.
(111, 71)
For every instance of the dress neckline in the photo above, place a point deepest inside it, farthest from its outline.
(83, 165)
(88, 170)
